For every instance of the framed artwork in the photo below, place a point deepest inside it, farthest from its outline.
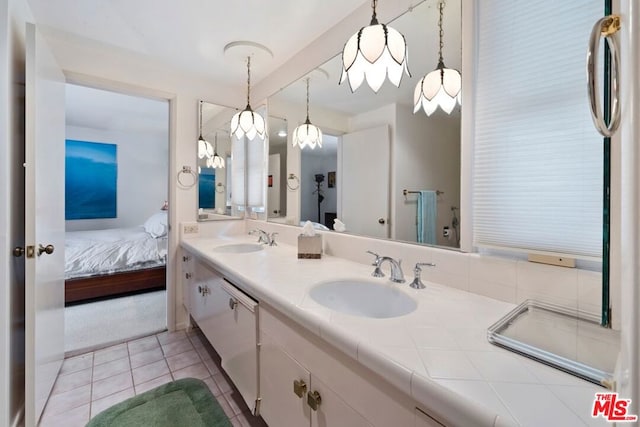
(331, 179)
(91, 180)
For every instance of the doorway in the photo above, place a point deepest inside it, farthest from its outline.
(116, 217)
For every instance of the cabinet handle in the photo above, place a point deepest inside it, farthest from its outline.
(205, 290)
(188, 275)
(200, 289)
(233, 303)
(299, 388)
(186, 258)
(314, 400)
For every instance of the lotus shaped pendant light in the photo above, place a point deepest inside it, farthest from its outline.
(307, 134)
(215, 161)
(373, 53)
(247, 122)
(441, 87)
(204, 147)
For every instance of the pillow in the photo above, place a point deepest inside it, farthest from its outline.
(156, 225)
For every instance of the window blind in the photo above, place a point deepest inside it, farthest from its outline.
(537, 179)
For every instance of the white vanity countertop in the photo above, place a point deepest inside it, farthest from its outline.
(439, 354)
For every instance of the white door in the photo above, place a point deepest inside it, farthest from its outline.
(44, 222)
(273, 186)
(363, 181)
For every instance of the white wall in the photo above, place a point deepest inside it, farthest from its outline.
(315, 162)
(426, 157)
(143, 159)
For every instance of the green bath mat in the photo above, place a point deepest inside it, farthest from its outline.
(185, 402)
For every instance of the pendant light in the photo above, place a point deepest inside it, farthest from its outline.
(307, 134)
(441, 87)
(375, 52)
(204, 147)
(248, 123)
(215, 161)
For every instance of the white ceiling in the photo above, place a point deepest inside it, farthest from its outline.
(191, 34)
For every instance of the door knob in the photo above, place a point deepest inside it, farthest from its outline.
(45, 249)
(381, 221)
(18, 251)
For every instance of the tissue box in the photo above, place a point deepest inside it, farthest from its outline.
(310, 247)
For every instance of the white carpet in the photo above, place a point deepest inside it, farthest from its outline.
(98, 324)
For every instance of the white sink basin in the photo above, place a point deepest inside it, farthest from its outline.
(363, 298)
(238, 248)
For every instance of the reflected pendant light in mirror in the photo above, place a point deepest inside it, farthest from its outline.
(215, 161)
(441, 87)
(204, 147)
(374, 52)
(248, 123)
(307, 134)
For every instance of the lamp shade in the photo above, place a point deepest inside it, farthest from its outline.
(204, 148)
(307, 135)
(373, 53)
(248, 123)
(440, 88)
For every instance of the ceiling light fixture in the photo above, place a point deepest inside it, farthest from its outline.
(441, 87)
(216, 161)
(307, 134)
(204, 147)
(247, 122)
(374, 52)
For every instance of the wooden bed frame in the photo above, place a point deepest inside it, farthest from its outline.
(84, 288)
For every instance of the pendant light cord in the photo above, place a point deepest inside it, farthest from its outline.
(374, 17)
(308, 121)
(440, 60)
(248, 80)
(200, 120)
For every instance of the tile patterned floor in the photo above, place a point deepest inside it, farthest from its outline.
(91, 382)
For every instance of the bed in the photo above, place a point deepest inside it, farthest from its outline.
(103, 263)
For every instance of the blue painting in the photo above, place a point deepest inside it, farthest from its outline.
(207, 188)
(91, 177)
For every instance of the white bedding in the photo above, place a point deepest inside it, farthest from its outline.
(88, 253)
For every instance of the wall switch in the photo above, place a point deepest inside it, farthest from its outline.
(190, 229)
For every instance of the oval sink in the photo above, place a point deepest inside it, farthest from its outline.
(238, 248)
(363, 298)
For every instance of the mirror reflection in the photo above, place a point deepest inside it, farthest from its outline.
(220, 165)
(382, 170)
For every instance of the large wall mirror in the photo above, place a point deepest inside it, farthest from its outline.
(377, 156)
(221, 183)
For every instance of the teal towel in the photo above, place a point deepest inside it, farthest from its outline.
(426, 217)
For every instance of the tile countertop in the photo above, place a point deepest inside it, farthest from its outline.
(439, 354)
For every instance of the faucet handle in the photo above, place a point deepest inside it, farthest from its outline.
(376, 263)
(377, 260)
(417, 281)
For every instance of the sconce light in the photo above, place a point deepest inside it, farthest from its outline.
(441, 87)
(374, 52)
(204, 148)
(247, 122)
(215, 161)
(307, 134)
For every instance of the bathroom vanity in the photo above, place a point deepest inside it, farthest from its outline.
(298, 362)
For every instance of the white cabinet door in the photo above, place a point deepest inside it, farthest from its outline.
(187, 279)
(44, 222)
(280, 406)
(333, 411)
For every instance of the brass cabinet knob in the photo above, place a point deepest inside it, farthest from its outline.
(45, 249)
(299, 388)
(188, 275)
(314, 400)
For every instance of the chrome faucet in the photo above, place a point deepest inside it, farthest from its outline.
(377, 272)
(417, 281)
(264, 237)
(397, 276)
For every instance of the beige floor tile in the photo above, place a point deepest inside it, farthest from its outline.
(64, 402)
(183, 360)
(110, 353)
(194, 371)
(143, 344)
(156, 382)
(72, 380)
(111, 369)
(111, 385)
(77, 363)
(76, 417)
(169, 337)
(213, 387)
(235, 401)
(100, 405)
(146, 357)
(222, 382)
(148, 372)
(177, 347)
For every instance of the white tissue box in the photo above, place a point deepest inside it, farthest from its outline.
(310, 247)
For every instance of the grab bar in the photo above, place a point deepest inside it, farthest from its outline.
(606, 28)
